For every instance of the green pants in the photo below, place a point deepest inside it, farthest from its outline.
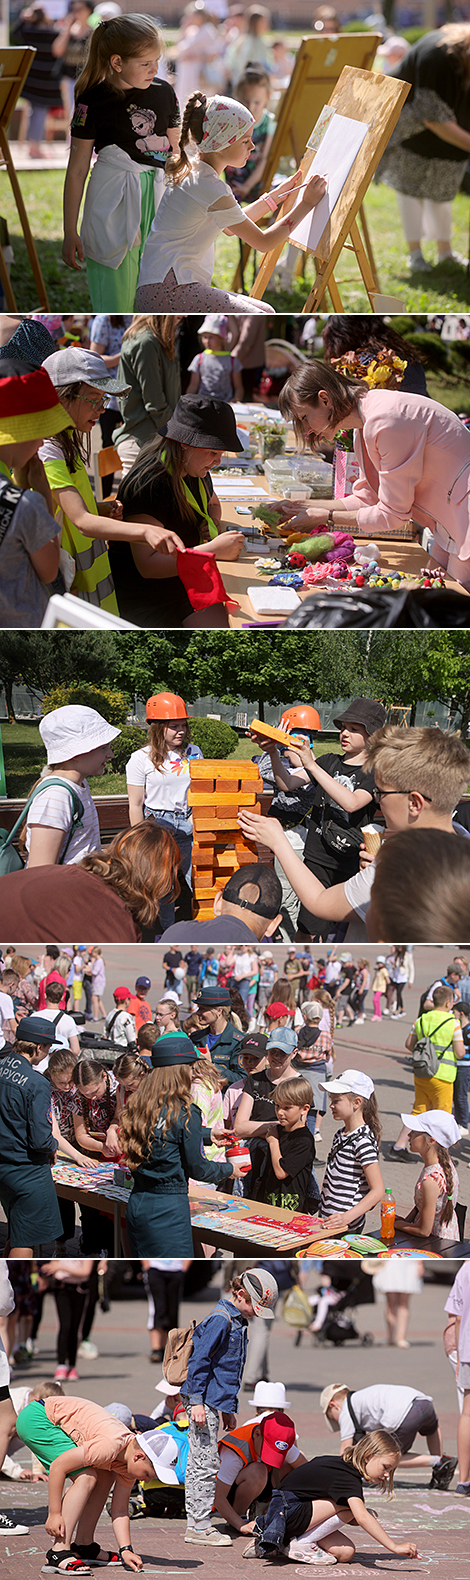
(113, 290)
(46, 1440)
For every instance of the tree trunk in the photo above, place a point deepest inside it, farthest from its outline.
(261, 710)
(8, 688)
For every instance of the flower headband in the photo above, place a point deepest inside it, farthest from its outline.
(224, 123)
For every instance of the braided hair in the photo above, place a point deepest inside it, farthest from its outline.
(446, 1166)
(191, 126)
(86, 1071)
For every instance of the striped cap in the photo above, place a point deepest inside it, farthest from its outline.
(30, 408)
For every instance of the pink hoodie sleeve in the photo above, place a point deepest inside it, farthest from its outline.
(396, 449)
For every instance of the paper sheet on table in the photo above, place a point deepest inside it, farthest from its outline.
(336, 154)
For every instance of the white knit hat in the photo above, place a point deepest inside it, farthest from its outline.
(69, 732)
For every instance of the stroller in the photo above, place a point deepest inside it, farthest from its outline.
(333, 1306)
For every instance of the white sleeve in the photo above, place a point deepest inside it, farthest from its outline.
(137, 768)
(346, 1424)
(226, 211)
(7, 1298)
(293, 1455)
(53, 808)
(358, 890)
(230, 1465)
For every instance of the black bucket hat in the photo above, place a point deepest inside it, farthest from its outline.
(206, 424)
(371, 715)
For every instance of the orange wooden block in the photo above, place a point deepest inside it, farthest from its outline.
(203, 880)
(229, 809)
(231, 785)
(204, 841)
(205, 785)
(225, 861)
(205, 823)
(203, 858)
(262, 729)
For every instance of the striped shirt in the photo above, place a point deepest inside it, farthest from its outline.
(53, 809)
(345, 1182)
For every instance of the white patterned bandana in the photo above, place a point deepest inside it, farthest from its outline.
(224, 123)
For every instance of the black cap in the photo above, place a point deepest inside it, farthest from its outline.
(257, 875)
(255, 1042)
(206, 424)
(371, 715)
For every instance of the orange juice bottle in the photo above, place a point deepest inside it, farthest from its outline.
(388, 1209)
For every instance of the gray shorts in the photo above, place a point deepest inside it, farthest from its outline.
(464, 1374)
(421, 1418)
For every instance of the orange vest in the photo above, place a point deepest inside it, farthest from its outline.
(241, 1441)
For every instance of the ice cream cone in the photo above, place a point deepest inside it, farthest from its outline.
(372, 839)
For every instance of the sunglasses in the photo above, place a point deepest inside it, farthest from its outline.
(380, 794)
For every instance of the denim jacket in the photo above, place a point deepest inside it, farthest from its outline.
(219, 1353)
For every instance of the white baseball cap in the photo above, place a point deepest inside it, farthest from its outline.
(263, 1290)
(162, 1451)
(435, 1123)
(350, 1081)
(328, 1394)
(215, 324)
(270, 1396)
(68, 732)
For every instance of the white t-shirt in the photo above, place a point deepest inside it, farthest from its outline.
(358, 890)
(183, 234)
(120, 1028)
(332, 971)
(165, 788)
(6, 1013)
(65, 1027)
(53, 809)
(231, 1464)
(383, 1406)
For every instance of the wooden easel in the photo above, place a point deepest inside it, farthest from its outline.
(376, 100)
(319, 63)
(14, 68)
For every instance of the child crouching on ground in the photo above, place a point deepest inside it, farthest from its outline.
(304, 1519)
(212, 1385)
(352, 1183)
(76, 1438)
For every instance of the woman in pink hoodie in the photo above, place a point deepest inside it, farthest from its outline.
(413, 453)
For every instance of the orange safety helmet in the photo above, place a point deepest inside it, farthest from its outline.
(165, 705)
(302, 717)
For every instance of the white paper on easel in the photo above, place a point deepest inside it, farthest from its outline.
(336, 154)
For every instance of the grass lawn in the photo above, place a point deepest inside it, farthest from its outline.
(42, 191)
(24, 759)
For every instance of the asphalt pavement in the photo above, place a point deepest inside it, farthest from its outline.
(439, 1523)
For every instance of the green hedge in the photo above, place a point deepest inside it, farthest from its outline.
(214, 738)
(113, 705)
(130, 739)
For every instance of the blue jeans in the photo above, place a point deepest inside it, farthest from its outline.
(243, 987)
(461, 1089)
(180, 824)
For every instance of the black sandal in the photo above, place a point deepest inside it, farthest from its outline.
(91, 1555)
(74, 1565)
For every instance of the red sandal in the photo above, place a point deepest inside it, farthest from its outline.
(74, 1565)
(91, 1555)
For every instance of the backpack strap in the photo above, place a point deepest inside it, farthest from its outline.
(352, 1413)
(440, 1055)
(10, 496)
(77, 811)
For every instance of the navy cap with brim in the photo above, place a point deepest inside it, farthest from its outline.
(173, 1048)
(35, 1028)
(213, 998)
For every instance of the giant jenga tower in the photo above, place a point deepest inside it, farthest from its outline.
(218, 790)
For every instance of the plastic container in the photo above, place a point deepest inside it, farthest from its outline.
(388, 1209)
(238, 1152)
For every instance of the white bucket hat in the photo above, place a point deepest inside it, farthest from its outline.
(435, 1123)
(163, 1454)
(350, 1081)
(68, 732)
(270, 1396)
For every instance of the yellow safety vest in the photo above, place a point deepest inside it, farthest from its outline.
(93, 580)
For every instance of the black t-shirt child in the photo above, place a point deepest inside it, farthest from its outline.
(136, 121)
(326, 864)
(152, 601)
(297, 1149)
(324, 1477)
(261, 1089)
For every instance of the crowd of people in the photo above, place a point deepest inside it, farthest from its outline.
(190, 1456)
(251, 1057)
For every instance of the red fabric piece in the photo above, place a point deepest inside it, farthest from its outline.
(201, 577)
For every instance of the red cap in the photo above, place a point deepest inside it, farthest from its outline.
(277, 1009)
(278, 1437)
(121, 993)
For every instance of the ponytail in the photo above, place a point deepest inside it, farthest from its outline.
(371, 1116)
(446, 1166)
(191, 126)
(126, 36)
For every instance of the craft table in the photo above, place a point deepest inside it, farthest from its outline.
(113, 1204)
(225, 1240)
(240, 574)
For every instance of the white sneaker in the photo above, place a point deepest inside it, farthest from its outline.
(312, 1554)
(417, 264)
(9, 1528)
(463, 1130)
(252, 1551)
(87, 1350)
(210, 1538)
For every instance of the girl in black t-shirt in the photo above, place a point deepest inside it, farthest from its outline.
(131, 119)
(324, 1494)
(171, 481)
